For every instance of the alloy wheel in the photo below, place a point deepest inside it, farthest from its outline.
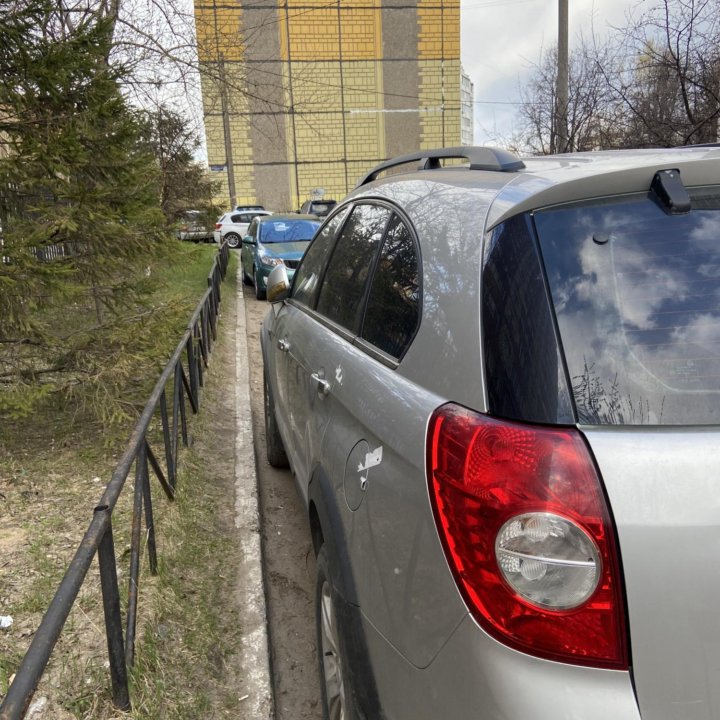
(332, 664)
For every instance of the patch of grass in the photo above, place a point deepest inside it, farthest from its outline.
(53, 469)
(190, 633)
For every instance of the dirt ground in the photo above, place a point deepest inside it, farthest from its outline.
(288, 556)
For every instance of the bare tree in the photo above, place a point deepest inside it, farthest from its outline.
(592, 108)
(667, 73)
(653, 83)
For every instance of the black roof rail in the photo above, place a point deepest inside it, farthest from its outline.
(480, 158)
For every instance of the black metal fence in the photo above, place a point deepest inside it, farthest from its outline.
(185, 372)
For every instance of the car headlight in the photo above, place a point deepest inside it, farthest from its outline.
(270, 260)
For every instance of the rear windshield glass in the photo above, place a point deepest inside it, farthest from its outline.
(277, 231)
(322, 207)
(637, 297)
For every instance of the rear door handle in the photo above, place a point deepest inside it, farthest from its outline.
(323, 386)
(283, 344)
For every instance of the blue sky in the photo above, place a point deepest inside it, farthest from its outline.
(501, 39)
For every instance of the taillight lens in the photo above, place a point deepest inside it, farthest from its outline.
(218, 226)
(525, 527)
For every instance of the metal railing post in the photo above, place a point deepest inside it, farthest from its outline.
(149, 521)
(167, 439)
(113, 622)
(141, 472)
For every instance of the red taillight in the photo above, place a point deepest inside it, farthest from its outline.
(485, 473)
(218, 226)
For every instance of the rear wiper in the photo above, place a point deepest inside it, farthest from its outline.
(668, 191)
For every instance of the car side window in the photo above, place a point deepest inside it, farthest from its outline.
(236, 218)
(307, 277)
(344, 284)
(252, 230)
(393, 307)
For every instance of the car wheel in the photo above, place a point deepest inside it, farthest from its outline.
(334, 685)
(233, 240)
(247, 280)
(274, 447)
(259, 289)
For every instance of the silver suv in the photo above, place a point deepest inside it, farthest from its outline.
(498, 388)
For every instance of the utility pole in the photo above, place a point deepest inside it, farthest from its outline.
(561, 95)
(229, 166)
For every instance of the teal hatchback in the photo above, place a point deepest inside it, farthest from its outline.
(274, 240)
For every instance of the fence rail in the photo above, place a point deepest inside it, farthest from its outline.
(184, 371)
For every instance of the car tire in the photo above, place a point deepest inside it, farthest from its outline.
(274, 448)
(259, 289)
(247, 280)
(335, 690)
(233, 240)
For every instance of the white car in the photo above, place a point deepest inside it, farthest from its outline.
(233, 225)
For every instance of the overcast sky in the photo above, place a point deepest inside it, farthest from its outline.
(501, 39)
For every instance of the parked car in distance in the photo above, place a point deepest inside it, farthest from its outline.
(498, 388)
(195, 225)
(233, 226)
(271, 241)
(320, 208)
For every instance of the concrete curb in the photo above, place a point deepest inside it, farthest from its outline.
(257, 704)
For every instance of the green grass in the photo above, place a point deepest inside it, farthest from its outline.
(182, 651)
(53, 468)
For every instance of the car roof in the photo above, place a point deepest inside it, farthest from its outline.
(534, 182)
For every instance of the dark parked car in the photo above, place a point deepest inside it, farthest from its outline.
(498, 388)
(320, 208)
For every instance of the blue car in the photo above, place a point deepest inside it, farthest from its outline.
(274, 240)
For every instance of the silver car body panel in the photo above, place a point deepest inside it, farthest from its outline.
(402, 579)
(664, 489)
(474, 677)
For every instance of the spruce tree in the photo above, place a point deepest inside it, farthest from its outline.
(79, 205)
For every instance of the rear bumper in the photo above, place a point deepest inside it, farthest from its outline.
(195, 236)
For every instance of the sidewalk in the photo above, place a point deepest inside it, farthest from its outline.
(257, 700)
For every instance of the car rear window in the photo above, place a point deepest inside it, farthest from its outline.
(636, 293)
(322, 207)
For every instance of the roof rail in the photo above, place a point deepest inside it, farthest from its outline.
(481, 158)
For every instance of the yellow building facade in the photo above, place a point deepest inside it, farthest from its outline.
(309, 94)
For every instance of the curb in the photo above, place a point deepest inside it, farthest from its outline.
(257, 701)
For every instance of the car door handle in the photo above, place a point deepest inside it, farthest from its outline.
(283, 344)
(323, 386)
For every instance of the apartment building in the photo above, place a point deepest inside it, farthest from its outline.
(302, 96)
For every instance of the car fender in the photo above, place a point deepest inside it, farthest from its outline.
(322, 496)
